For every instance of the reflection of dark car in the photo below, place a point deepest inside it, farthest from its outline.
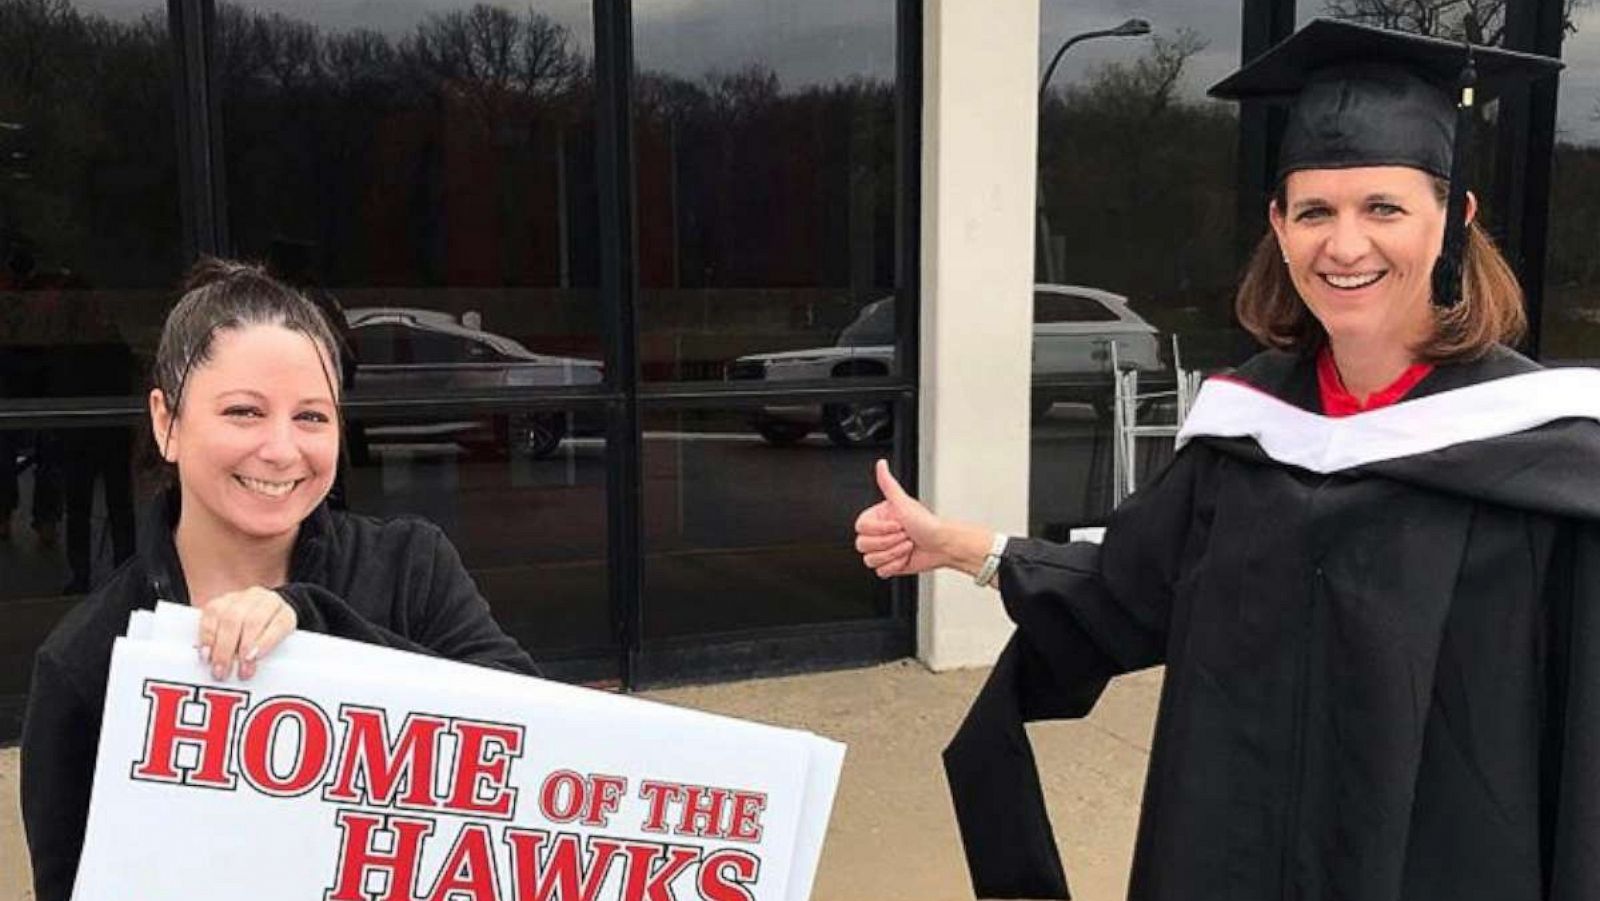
(418, 351)
(1074, 328)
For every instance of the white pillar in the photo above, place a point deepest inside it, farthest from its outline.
(978, 162)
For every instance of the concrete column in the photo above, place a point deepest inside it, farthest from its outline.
(978, 163)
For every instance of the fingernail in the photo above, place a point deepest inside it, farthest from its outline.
(205, 653)
(217, 671)
(253, 654)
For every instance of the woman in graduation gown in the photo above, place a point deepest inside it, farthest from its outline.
(1381, 631)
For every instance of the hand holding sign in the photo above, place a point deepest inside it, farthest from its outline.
(241, 627)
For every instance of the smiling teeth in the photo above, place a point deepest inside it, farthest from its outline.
(1352, 281)
(270, 489)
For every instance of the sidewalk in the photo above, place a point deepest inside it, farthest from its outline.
(893, 836)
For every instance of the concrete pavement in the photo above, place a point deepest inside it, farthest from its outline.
(892, 836)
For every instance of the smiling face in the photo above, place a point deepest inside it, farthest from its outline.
(256, 441)
(1360, 247)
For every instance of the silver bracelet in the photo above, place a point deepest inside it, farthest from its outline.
(991, 561)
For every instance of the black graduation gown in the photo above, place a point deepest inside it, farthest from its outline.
(1382, 683)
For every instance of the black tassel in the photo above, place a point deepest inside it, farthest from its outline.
(1448, 270)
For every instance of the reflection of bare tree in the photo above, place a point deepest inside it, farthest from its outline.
(261, 53)
(88, 102)
(338, 113)
(498, 59)
(1479, 21)
(1127, 164)
(33, 34)
(719, 154)
(1144, 88)
(360, 65)
(742, 91)
(269, 48)
(658, 96)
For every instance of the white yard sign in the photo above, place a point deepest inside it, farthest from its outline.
(345, 772)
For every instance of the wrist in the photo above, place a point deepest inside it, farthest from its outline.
(292, 603)
(966, 546)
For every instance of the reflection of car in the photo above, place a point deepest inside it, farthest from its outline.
(410, 350)
(1073, 331)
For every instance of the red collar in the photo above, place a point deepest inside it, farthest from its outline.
(1338, 401)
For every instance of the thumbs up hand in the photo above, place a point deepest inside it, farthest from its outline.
(898, 536)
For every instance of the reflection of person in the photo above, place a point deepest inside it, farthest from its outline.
(245, 412)
(1381, 632)
(25, 348)
(75, 351)
(92, 360)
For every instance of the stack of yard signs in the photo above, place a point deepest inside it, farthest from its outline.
(347, 772)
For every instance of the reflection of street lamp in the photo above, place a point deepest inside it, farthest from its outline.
(1129, 29)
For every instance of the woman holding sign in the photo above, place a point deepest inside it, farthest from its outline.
(245, 416)
(1381, 631)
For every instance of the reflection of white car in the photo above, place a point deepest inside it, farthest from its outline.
(1074, 329)
(411, 350)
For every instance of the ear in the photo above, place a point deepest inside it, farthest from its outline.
(161, 426)
(1472, 207)
(1278, 221)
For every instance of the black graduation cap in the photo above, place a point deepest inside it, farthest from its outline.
(1365, 96)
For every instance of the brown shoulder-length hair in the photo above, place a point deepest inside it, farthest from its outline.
(1490, 311)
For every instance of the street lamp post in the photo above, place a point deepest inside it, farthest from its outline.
(1128, 29)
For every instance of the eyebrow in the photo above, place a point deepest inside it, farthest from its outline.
(257, 395)
(1312, 202)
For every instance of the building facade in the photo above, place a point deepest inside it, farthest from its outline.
(636, 293)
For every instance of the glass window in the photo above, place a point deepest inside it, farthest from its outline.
(742, 521)
(69, 511)
(90, 228)
(766, 180)
(522, 496)
(1571, 327)
(1140, 237)
(420, 157)
(90, 243)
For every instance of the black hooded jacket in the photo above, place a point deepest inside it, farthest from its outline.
(1382, 683)
(396, 582)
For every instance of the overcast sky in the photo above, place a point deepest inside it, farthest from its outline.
(1215, 21)
(1578, 110)
(807, 41)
